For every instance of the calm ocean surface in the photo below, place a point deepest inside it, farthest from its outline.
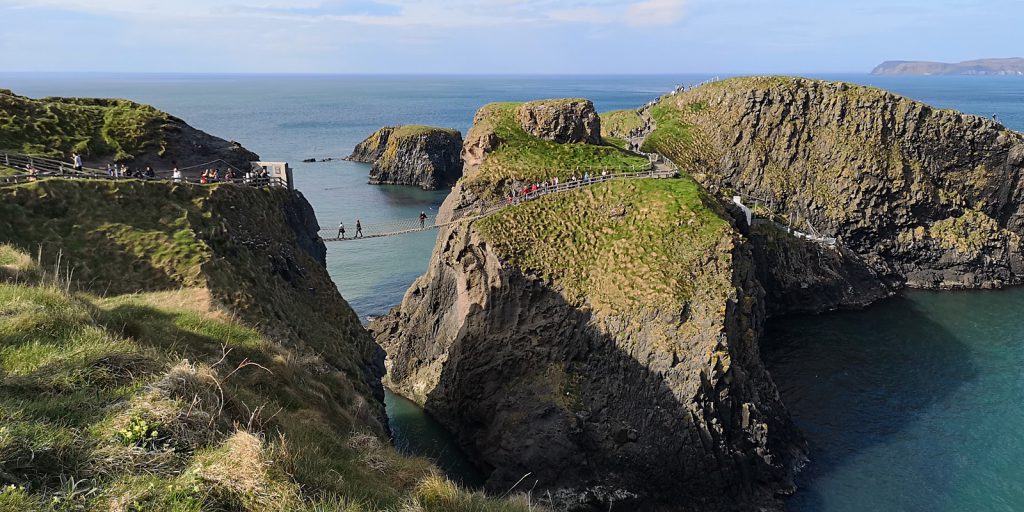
(916, 404)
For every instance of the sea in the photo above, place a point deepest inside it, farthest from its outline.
(913, 404)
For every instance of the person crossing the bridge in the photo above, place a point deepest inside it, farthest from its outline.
(423, 219)
(341, 230)
(359, 229)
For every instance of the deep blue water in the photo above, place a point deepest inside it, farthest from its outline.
(914, 404)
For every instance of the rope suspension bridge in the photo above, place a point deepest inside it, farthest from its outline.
(478, 211)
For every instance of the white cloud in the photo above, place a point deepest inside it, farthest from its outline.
(656, 12)
(427, 13)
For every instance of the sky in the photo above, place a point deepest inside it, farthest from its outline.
(500, 36)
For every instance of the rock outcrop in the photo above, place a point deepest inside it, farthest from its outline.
(563, 121)
(412, 155)
(923, 197)
(111, 130)
(603, 344)
(514, 144)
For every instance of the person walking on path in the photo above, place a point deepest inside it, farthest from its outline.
(176, 175)
(77, 160)
(359, 229)
(423, 220)
(341, 230)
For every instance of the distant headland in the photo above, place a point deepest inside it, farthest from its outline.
(1014, 66)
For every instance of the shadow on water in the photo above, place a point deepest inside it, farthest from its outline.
(864, 387)
(416, 433)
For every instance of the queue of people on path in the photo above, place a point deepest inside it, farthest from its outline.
(520, 192)
(207, 176)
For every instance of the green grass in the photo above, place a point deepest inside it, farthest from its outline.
(522, 157)
(618, 246)
(673, 135)
(233, 420)
(618, 123)
(56, 127)
(415, 130)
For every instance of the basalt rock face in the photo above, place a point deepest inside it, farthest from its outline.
(563, 121)
(924, 197)
(801, 276)
(607, 399)
(412, 155)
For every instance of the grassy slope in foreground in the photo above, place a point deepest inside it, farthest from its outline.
(56, 127)
(191, 394)
(522, 157)
(620, 246)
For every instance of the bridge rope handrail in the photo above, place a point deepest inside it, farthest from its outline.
(813, 236)
(50, 168)
(480, 210)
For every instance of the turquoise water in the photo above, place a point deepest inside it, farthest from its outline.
(914, 404)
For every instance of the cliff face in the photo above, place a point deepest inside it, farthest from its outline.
(412, 155)
(256, 251)
(922, 197)
(604, 344)
(213, 366)
(108, 130)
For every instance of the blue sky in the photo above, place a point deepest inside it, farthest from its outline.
(500, 36)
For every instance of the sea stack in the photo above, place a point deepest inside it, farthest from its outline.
(422, 156)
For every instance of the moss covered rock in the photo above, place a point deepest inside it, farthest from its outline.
(109, 130)
(412, 155)
(927, 197)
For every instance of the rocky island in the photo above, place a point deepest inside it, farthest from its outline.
(600, 346)
(1002, 67)
(412, 155)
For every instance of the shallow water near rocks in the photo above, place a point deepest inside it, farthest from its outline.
(914, 404)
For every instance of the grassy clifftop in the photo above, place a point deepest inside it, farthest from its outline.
(57, 127)
(619, 246)
(173, 347)
(519, 156)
